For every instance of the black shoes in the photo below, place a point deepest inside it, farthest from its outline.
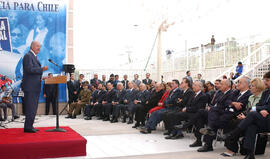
(179, 127)
(231, 134)
(250, 156)
(69, 116)
(207, 131)
(87, 118)
(130, 122)
(196, 144)
(73, 117)
(30, 130)
(145, 131)
(124, 120)
(175, 137)
(167, 133)
(136, 125)
(205, 148)
(15, 117)
(106, 119)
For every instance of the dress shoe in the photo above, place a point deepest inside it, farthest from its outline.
(124, 120)
(145, 131)
(69, 116)
(205, 148)
(29, 131)
(231, 134)
(250, 156)
(106, 119)
(207, 131)
(100, 118)
(136, 125)
(2, 119)
(16, 117)
(178, 136)
(196, 144)
(170, 136)
(115, 120)
(87, 118)
(73, 117)
(130, 122)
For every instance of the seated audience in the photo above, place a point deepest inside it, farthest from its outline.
(83, 99)
(107, 102)
(95, 81)
(119, 99)
(136, 80)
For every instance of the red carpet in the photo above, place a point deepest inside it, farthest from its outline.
(15, 144)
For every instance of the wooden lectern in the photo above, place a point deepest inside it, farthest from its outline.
(56, 80)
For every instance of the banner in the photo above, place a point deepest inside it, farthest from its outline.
(21, 22)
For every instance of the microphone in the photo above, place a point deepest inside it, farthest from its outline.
(51, 61)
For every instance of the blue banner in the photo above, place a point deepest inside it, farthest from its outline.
(21, 22)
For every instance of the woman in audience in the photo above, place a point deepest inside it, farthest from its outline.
(160, 105)
(257, 87)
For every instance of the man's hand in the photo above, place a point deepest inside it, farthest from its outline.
(179, 100)
(75, 92)
(184, 109)
(104, 102)
(135, 102)
(45, 68)
(237, 105)
(160, 104)
(44, 95)
(125, 101)
(264, 113)
(241, 116)
(79, 101)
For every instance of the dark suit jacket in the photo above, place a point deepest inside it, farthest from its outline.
(143, 96)
(264, 104)
(120, 96)
(110, 96)
(196, 103)
(50, 89)
(242, 99)
(155, 98)
(131, 95)
(224, 101)
(95, 82)
(147, 83)
(125, 84)
(172, 98)
(32, 73)
(100, 96)
(185, 98)
(72, 87)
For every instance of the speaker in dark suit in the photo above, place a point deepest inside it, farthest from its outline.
(50, 93)
(31, 85)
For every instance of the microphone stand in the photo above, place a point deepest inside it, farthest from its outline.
(57, 129)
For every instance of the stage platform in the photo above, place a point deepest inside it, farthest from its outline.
(15, 144)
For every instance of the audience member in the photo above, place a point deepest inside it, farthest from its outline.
(119, 99)
(238, 70)
(125, 82)
(136, 80)
(73, 89)
(107, 102)
(95, 81)
(147, 81)
(50, 94)
(188, 73)
(199, 76)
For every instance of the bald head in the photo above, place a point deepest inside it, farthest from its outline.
(35, 47)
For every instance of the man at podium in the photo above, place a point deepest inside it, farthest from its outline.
(31, 85)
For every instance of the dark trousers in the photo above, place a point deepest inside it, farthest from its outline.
(121, 109)
(31, 105)
(97, 110)
(116, 111)
(50, 99)
(107, 109)
(140, 113)
(88, 111)
(199, 120)
(254, 123)
(131, 108)
(232, 144)
(218, 119)
(5, 106)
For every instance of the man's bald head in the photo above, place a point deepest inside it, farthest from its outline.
(35, 47)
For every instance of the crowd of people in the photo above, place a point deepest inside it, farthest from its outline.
(238, 109)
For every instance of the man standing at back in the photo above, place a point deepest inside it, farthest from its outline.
(31, 85)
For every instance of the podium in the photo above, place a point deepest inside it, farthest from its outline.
(56, 80)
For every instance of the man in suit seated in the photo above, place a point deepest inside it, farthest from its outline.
(83, 99)
(221, 118)
(5, 102)
(257, 121)
(119, 99)
(147, 81)
(140, 100)
(95, 81)
(95, 106)
(107, 101)
(169, 104)
(195, 102)
(182, 101)
(49, 93)
(141, 111)
(129, 98)
(125, 82)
